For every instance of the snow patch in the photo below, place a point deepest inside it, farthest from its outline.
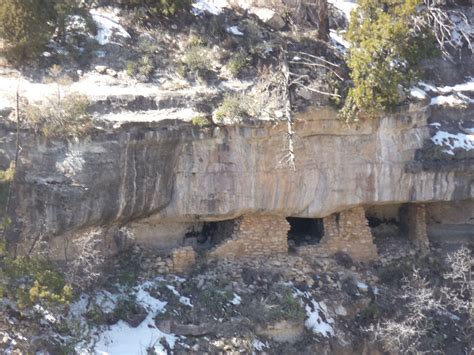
(318, 320)
(47, 315)
(467, 86)
(456, 97)
(122, 339)
(234, 30)
(345, 6)
(315, 322)
(450, 100)
(236, 300)
(339, 40)
(453, 141)
(214, 7)
(107, 25)
(259, 345)
(182, 299)
(417, 93)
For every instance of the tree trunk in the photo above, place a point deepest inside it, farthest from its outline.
(323, 14)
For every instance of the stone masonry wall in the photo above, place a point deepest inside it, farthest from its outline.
(182, 259)
(346, 231)
(255, 236)
(413, 224)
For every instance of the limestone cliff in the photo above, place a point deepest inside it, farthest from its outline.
(172, 171)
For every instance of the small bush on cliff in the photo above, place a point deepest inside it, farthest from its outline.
(6, 177)
(61, 117)
(232, 109)
(31, 281)
(384, 54)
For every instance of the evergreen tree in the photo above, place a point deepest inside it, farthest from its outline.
(25, 27)
(384, 54)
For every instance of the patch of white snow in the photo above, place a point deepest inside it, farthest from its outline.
(467, 86)
(214, 7)
(315, 321)
(182, 299)
(122, 339)
(453, 141)
(450, 100)
(234, 30)
(107, 24)
(259, 345)
(236, 300)
(345, 6)
(339, 40)
(47, 315)
(417, 93)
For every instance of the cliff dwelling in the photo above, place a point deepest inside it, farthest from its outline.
(207, 177)
(305, 231)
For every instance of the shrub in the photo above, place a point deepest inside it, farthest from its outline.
(61, 117)
(231, 108)
(166, 8)
(214, 299)
(237, 62)
(6, 177)
(25, 26)
(144, 67)
(384, 54)
(279, 305)
(31, 281)
(200, 121)
(196, 59)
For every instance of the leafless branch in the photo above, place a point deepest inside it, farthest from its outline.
(450, 27)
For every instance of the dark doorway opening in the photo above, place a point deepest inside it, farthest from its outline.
(209, 234)
(305, 231)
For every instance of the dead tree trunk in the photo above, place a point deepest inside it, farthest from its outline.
(289, 158)
(323, 17)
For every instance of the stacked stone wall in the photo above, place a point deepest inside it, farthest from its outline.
(255, 236)
(182, 259)
(413, 224)
(346, 231)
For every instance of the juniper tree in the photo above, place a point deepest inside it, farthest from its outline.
(384, 53)
(25, 27)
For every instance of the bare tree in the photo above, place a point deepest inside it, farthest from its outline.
(85, 268)
(450, 27)
(421, 303)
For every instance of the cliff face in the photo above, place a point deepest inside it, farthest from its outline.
(175, 172)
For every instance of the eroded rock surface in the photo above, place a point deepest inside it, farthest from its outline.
(171, 171)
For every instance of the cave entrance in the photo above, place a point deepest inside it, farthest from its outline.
(305, 231)
(387, 226)
(209, 234)
(384, 221)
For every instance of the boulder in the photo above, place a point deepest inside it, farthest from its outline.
(270, 17)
